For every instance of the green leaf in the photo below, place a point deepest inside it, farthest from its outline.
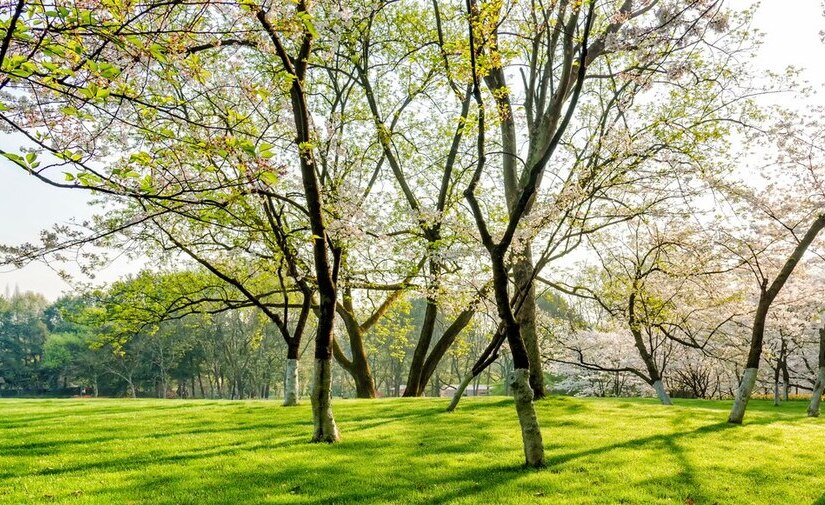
(269, 178)
(307, 20)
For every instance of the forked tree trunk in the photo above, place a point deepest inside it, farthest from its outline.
(652, 369)
(819, 385)
(325, 428)
(520, 379)
(357, 368)
(522, 393)
(291, 385)
(440, 348)
(526, 318)
(415, 382)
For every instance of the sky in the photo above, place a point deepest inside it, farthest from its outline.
(792, 37)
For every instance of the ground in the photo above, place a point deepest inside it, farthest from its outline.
(599, 451)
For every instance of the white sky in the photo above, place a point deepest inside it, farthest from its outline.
(27, 206)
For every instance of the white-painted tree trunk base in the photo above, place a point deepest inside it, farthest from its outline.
(325, 428)
(816, 395)
(530, 431)
(743, 395)
(661, 393)
(291, 391)
(460, 392)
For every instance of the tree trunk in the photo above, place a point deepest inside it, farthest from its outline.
(325, 428)
(526, 318)
(776, 393)
(743, 394)
(816, 394)
(766, 297)
(661, 393)
(530, 431)
(519, 381)
(652, 369)
(415, 384)
(291, 391)
(326, 272)
(360, 366)
(442, 346)
(362, 375)
(819, 385)
(460, 392)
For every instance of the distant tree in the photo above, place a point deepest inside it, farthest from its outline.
(22, 337)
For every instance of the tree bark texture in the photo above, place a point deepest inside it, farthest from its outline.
(530, 431)
(325, 428)
(526, 318)
(743, 394)
(819, 385)
(661, 393)
(291, 391)
(816, 394)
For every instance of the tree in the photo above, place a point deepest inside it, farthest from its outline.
(781, 232)
(659, 281)
(22, 337)
(126, 88)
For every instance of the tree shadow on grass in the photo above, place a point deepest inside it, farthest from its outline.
(298, 484)
(368, 467)
(139, 462)
(662, 438)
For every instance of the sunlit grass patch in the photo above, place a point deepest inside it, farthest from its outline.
(599, 451)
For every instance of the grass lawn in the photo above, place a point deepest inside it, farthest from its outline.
(599, 451)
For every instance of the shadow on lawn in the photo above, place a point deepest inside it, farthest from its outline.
(663, 438)
(139, 462)
(388, 483)
(380, 460)
(300, 482)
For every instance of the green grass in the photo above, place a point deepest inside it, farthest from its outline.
(599, 451)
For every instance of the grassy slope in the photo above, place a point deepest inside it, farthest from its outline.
(406, 451)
